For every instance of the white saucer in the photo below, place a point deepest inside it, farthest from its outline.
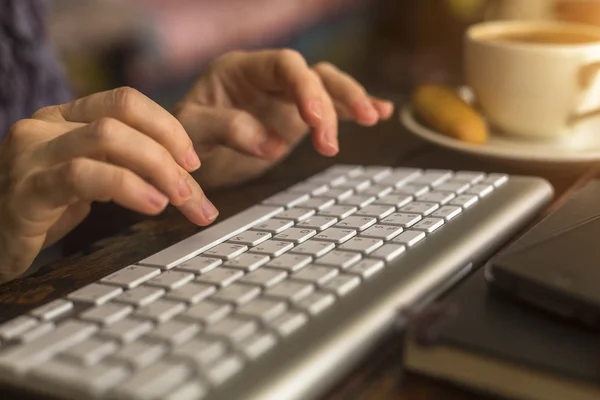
(581, 148)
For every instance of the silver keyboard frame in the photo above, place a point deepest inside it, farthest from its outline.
(307, 365)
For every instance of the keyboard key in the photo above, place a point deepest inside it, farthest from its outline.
(418, 207)
(263, 309)
(429, 225)
(433, 177)
(313, 188)
(496, 180)
(93, 381)
(384, 232)
(265, 277)
(336, 194)
(126, 330)
(366, 268)
(318, 203)
(108, 313)
(200, 265)
(175, 331)
(251, 238)
(233, 328)
(289, 322)
(376, 211)
(221, 276)
(377, 191)
(403, 220)
(257, 344)
(37, 332)
(468, 176)
(221, 371)
(362, 245)
(248, 261)
(389, 252)
(201, 350)
(291, 262)
(400, 177)
(318, 222)
(409, 238)
(447, 212)
(161, 310)
(91, 351)
(226, 251)
(141, 353)
(296, 235)
(437, 197)
(314, 248)
(342, 284)
(358, 200)
(375, 173)
(338, 211)
(336, 235)
(345, 169)
(412, 190)
(339, 259)
(481, 190)
(453, 186)
(316, 274)
(171, 279)
(192, 293)
(297, 214)
(131, 276)
(291, 290)
(465, 201)
(208, 312)
(317, 302)
(193, 390)
(274, 225)
(394, 200)
(155, 381)
(95, 293)
(286, 199)
(358, 184)
(52, 310)
(17, 326)
(273, 248)
(140, 296)
(237, 293)
(19, 359)
(356, 222)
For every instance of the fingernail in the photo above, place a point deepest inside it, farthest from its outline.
(157, 199)
(317, 109)
(331, 139)
(192, 162)
(208, 210)
(368, 107)
(185, 191)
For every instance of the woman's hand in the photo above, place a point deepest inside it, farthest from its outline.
(251, 108)
(113, 146)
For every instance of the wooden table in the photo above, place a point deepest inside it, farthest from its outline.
(380, 376)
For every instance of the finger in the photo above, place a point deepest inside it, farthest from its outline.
(236, 129)
(199, 209)
(113, 141)
(136, 110)
(73, 216)
(345, 90)
(385, 108)
(91, 180)
(287, 71)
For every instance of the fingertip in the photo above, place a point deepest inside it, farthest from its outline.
(192, 161)
(156, 201)
(326, 143)
(365, 113)
(384, 107)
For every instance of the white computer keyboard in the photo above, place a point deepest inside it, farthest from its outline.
(185, 321)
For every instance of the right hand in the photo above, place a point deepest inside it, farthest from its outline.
(112, 146)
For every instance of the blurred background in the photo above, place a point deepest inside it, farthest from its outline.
(160, 46)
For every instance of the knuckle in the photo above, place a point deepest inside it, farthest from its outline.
(126, 99)
(74, 171)
(103, 130)
(236, 123)
(45, 112)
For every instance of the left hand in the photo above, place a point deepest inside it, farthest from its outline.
(251, 108)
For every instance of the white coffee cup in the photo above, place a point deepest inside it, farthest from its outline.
(534, 79)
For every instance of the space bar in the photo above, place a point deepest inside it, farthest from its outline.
(212, 236)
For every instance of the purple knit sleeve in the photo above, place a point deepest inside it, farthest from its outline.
(30, 76)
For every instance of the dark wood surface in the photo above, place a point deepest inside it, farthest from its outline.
(380, 376)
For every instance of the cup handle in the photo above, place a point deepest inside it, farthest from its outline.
(586, 77)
